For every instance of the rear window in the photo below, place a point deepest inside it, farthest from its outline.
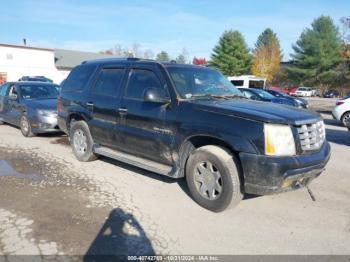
(256, 84)
(78, 78)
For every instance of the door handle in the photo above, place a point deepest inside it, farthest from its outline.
(122, 110)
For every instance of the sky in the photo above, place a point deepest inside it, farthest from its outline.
(196, 25)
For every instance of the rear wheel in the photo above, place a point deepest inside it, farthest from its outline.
(81, 141)
(212, 175)
(25, 126)
(345, 118)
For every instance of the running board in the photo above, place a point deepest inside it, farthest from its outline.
(134, 160)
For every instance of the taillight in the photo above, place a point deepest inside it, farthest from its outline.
(58, 104)
(338, 103)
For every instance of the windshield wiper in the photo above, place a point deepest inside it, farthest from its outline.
(207, 95)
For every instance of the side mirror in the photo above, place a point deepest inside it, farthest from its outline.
(254, 97)
(13, 97)
(153, 95)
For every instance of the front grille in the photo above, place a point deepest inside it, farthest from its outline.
(312, 135)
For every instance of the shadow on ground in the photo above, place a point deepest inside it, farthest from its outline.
(120, 235)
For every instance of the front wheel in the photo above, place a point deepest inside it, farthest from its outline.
(25, 126)
(212, 175)
(81, 141)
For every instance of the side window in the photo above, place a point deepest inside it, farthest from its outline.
(78, 78)
(4, 88)
(247, 94)
(13, 91)
(108, 82)
(141, 80)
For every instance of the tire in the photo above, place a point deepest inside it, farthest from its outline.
(25, 126)
(224, 171)
(81, 141)
(345, 117)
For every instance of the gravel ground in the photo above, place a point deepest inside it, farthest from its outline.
(52, 204)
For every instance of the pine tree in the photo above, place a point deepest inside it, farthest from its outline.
(231, 55)
(317, 53)
(267, 55)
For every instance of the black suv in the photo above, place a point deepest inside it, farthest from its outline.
(190, 121)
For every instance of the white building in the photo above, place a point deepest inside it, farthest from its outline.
(17, 61)
(248, 81)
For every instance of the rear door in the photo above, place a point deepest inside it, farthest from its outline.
(142, 123)
(103, 103)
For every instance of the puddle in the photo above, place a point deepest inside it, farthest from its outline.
(7, 170)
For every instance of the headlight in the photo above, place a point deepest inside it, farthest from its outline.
(279, 140)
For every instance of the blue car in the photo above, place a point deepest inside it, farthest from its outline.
(30, 105)
(262, 95)
(300, 102)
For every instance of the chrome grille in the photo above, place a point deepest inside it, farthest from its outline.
(312, 135)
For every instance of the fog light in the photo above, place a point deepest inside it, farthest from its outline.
(287, 183)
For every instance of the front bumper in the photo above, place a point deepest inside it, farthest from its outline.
(43, 124)
(264, 175)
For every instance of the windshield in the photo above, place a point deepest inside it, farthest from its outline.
(29, 92)
(197, 82)
(263, 94)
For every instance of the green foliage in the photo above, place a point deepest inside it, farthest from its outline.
(163, 57)
(317, 53)
(231, 55)
(181, 59)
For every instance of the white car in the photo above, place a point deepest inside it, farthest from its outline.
(303, 91)
(341, 111)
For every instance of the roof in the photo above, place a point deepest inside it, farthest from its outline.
(26, 47)
(67, 59)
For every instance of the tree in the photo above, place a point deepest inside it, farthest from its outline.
(317, 53)
(343, 70)
(199, 61)
(267, 55)
(180, 59)
(231, 54)
(163, 57)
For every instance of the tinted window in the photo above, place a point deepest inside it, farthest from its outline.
(237, 82)
(141, 80)
(32, 92)
(256, 84)
(109, 81)
(78, 78)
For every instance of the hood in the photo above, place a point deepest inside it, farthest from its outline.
(43, 104)
(257, 111)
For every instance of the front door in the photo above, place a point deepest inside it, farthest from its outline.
(12, 107)
(142, 123)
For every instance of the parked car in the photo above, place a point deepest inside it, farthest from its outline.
(30, 105)
(292, 91)
(341, 111)
(303, 91)
(36, 79)
(190, 121)
(298, 102)
(331, 94)
(263, 95)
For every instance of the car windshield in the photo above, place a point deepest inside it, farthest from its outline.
(263, 94)
(33, 92)
(199, 82)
